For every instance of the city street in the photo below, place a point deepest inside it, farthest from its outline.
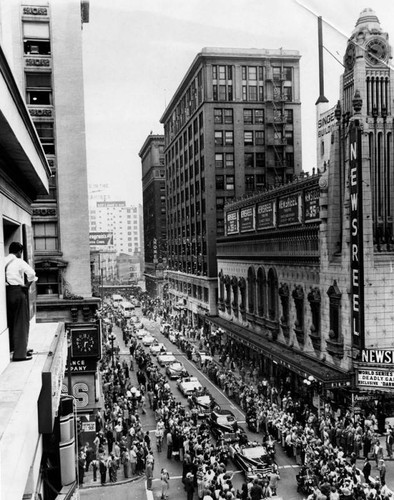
(136, 488)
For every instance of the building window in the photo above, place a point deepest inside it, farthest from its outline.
(228, 116)
(222, 92)
(229, 160)
(259, 137)
(272, 283)
(259, 116)
(215, 92)
(289, 137)
(252, 73)
(214, 72)
(244, 93)
(287, 93)
(261, 292)
(218, 138)
(38, 89)
(229, 137)
(48, 282)
(261, 93)
(219, 203)
(244, 73)
(251, 288)
(288, 74)
(248, 138)
(288, 116)
(260, 160)
(249, 182)
(248, 159)
(37, 47)
(220, 182)
(230, 92)
(252, 93)
(219, 160)
(222, 72)
(45, 236)
(218, 116)
(335, 296)
(248, 116)
(229, 182)
(45, 133)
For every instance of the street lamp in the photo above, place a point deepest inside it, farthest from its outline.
(112, 338)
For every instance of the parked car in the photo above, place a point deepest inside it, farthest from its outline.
(148, 340)
(252, 458)
(189, 385)
(157, 348)
(166, 358)
(176, 370)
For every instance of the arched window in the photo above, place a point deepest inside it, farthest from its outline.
(227, 284)
(272, 285)
(234, 286)
(251, 290)
(261, 285)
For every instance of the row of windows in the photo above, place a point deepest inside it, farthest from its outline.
(252, 73)
(251, 93)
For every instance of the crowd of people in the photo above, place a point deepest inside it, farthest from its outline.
(326, 449)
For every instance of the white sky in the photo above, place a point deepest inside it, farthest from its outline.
(136, 53)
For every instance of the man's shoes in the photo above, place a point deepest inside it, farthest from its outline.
(29, 351)
(27, 358)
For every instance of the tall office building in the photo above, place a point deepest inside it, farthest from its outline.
(154, 203)
(50, 74)
(232, 127)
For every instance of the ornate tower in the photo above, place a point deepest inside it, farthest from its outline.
(367, 70)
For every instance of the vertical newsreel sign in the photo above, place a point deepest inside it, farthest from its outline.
(356, 236)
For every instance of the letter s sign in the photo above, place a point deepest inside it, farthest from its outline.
(81, 394)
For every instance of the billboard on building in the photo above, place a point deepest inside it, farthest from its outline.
(311, 204)
(101, 239)
(265, 216)
(289, 210)
(232, 222)
(247, 219)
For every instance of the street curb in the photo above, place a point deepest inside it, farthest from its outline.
(99, 485)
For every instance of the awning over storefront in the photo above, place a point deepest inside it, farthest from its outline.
(296, 361)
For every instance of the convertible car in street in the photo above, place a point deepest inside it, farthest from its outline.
(189, 386)
(225, 426)
(253, 458)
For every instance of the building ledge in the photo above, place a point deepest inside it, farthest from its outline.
(20, 387)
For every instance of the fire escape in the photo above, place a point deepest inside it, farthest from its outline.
(276, 123)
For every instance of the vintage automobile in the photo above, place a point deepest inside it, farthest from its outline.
(189, 385)
(148, 339)
(140, 334)
(224, 425)
(201, 357)
(252, 457)
(157, 348)
(204, 403)
(176, 370)
(166, 358)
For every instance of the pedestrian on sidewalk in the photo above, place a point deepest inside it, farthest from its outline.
(95, 466)
(189, 485)
(103, 471)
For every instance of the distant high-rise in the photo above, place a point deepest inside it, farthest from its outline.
(233, 127)
(154, 203)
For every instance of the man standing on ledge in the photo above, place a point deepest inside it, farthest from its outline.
(17, 301)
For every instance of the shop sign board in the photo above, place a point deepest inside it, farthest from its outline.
(288, 210)
(232, 222)
(247, 219)
(381, 378)
(265, 216)
(356, 238)
(311, 204)
(378, 356)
